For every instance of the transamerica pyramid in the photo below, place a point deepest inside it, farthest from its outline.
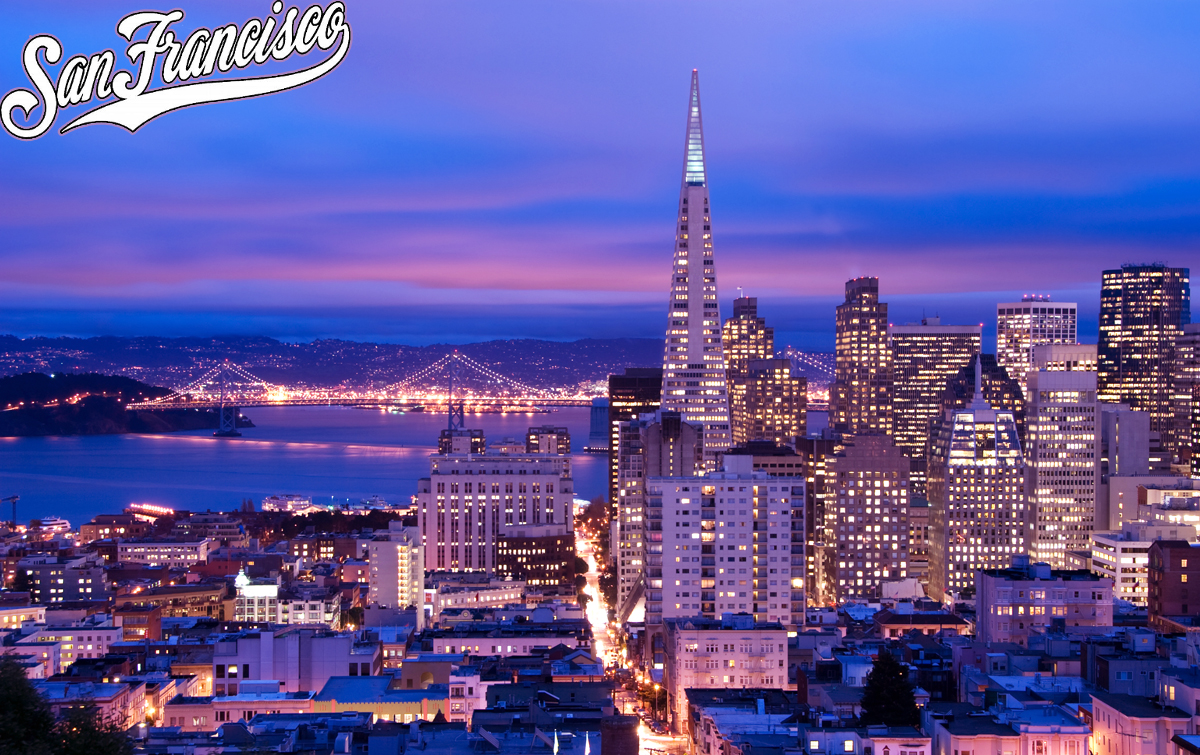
(693, 362)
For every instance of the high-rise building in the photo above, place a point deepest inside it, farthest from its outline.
(924, 358)
(598, 427)
(976, 494)
(637, 392)
(869, 478)
(693, 362)
(653, 445)
(860, 401)
(548, 439)
(1186, 393)
(1062, 452)
(1143, 309)
(819, 516)
(470, 500)
(745, 338)
(769, 402)
(1022, 325)
(1000, 390)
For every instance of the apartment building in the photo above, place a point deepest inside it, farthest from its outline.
(1011, 603)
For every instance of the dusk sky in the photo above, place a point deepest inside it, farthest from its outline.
(480, 170)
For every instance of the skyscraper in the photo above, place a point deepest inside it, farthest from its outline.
(860, 401)
(1143, 309)
(1022, 325)
(637, 392)
(976, 494)
(1062, 452)
(924, 358)
(693, 363)
(770, 404)
(1186, 389)
(745, 337)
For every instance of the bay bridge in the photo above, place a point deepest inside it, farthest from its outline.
(229, 388)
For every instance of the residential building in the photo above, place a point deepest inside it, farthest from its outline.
(769, 402)
(470, 500)
(202, 600)
(653, 445)
(298, 658)
(223, 530)
(118, 703)
(13, 616)
(1020, 326)
(380, 697)
(397, 567)
(451, 596)
(494, 639)
(1035, 729)
(138, 623)
(860, 400)
(1131, 725)
(205, 713)
(693, 362)
(1123, 555)
(113, 526)
(541, 556)
(173, 553)
(732, 651)
(741, 518)
(85, 640)
(637, 392)
(924, 357)
(1172, 570)
(266, 601)
(1011, 603)
(548, 439)
(848, 740)
(976, 495)
(869, 478)
(1143, 309)
(1062, 453)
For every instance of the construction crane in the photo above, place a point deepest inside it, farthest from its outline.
(12, 525)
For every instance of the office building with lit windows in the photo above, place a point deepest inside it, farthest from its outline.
(693, 362)
(654, 445)
(924, 357)
(1186, 396)
(976, 495)
(869, 478)
(745, 338)
(1022, 325)
(1013, 602)
(1143, 309)
(1123, 555)
(397, 568)
(1062, 452)
(769, 403)
(860, 400)
(469, 500)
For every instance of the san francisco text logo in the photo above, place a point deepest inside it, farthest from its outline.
(204, 53)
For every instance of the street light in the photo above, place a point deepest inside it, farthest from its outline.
(656, 688)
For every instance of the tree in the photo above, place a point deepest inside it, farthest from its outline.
(25, 718)
(83, 732)
(888, 697)
(581, 565)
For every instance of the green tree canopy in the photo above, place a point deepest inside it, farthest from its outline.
(888, 697)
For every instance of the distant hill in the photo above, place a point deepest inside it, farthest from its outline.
(88, 404)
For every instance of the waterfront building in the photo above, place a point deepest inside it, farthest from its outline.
(397, 568)
(860, 400)
(924, 357)
(1143, 309)
(1022, 325)
(693, 362)
(288, 502)
(725, 547)
(976, 495)
(1062, 452)
(1014, 602)
(1123, 555)
(869, 478)
(1186, 396)
(654, 445)
(637, 392)
(769, 402)
(598, 427)
(548, 439)
(470, 500)
(733, 651)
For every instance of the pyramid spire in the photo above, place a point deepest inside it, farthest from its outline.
(693, 159)
(693, 361)
(979, 402)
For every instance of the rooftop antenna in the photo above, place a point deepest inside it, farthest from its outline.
(741, 295)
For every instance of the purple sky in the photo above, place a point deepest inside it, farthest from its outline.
(491, 170)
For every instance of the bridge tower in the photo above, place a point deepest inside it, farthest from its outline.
(457, 420)
(227, 414)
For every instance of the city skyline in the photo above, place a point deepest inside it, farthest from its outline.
(832, 164)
